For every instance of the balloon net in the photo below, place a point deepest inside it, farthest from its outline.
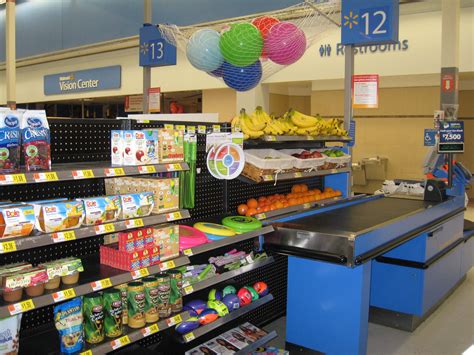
(243, 51)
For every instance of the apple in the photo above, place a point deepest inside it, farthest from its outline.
(115, 150)
(127, 150)
(139, 155)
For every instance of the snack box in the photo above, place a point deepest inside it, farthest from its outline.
(62, 267)
(136, 205)
(24, 278)
(152, 146)
(59, 216)
(135, 239)
(110, 255)
(116, 143)
(167, 238)
(170, 145)
(16, 220)
(166, 194)
(100, 210)
(139, 147)
(10, 141)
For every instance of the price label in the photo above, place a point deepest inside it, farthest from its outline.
(188, 252)
(180, 127)
(114, 172)
(267, 177)
(216, 128)
(189, 337)
(87, 352)
(152, 329)
(12, 179)
(202, 129)
(173, 167)
(169, 126)
(298, 175)
(42, 177)
(191, 129)
(174, 320)
(7, 247)
(261, 216)
(105, 228)
(146, 169)
(63, 236)
(271, 138)
(134, 223)
(173, 216)
(64, 295)
(21, 307)
(82, 174)
(101, 284)
(310, 138)
(167, 265)
(138, 274)
(306, 205)
(188, 289)
(120, 342)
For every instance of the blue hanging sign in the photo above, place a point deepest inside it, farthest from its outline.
(155, 51)
(429, 138)
(451, 137)
(369, 22)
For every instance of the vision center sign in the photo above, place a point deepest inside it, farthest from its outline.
(96, 79)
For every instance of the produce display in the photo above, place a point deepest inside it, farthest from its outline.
(260, 123)
(300, 194)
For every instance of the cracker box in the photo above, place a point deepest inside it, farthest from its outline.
(135, 239)
(167, 238)
(116, 143)
(170, 145)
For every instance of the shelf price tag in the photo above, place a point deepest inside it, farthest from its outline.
(42, 177)
(271, 138)
(169, 126)
(114, 172)
(188, 289)
(298, 175)
(105, 228)
(137, 274)
(310, 138)
(189, 337)
(134, 223)
(267, 177)
(261, 216)
(82, 174)
(7, 247)
(188, 252)
(173, 167)
(146, 169)
(87, 352)
(174, 320)
(64, 295)
(181, 127)
(63, 236)
(21, 307)
(120, 342)
(216, 128)
(12, 179)
(173, 216)
(307, 205)
(202, 129)
(167, 265)
(191, 129)
(152, 329)
(101, 284)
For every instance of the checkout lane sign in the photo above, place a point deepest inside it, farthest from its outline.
(451, 137)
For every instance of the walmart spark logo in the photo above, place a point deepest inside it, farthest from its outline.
(144, 47)
(351, 20)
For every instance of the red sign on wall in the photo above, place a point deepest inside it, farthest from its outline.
(365, 91)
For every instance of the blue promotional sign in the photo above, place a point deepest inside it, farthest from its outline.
(105, 78)
(155, 51)
(451, 137)
(430, 137)
(352, 133)
(369, 22)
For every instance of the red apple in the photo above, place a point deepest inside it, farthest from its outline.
(127, 150)
(139, 155)
(115, 150)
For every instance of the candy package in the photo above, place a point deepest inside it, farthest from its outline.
(68, 321)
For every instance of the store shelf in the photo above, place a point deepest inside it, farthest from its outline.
(94, 278)
(294, 175)
(188, 337)
(35, 241)
(189, 289)
(227, 241)
(260, 342)
(272, 138)
(81, 171)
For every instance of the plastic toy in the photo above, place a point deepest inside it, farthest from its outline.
(255, 295)
(220, 307)
(214, 295)
(245, 296)
(196, 305)
(261, 288)
(188, 325)
(232, 302)
(229, 290)
(207, 316)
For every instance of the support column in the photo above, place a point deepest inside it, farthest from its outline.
(146, 70)
(10, 54)
(259, 96)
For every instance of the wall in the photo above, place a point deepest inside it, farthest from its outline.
(279, 103)
(222, 101)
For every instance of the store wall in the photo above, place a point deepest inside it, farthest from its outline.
(279, 103)
(222, 101)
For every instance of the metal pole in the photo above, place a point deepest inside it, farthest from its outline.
(146, 70)
(10, 54)
(348, 111)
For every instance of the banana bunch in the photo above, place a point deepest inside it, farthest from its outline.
(251, 126)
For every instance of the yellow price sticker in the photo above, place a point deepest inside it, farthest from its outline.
(134, 223)
(167, 265)
(202, 129)
(49, 176)
(169, 126)
(152, 329)
(261, 216)
(267, 177)
(298, 175)
(101, 284)
(7, 247)
(82, 174)
(114, 172)
(188, 252)
(21, 307)
(173, 167)
(120, 342)
(216, 128)
(191, 129)
(187, 290)
(63, 236)
(271, 138)
(306, 205)
(64, 295)
(174, 320)
(173, 216)
(87, 352)
(105, 228)
(138, 274)
(189, 337)
(146, 169)
(181, 127)
(12, 179)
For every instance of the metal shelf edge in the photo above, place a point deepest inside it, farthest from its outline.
(296, 175)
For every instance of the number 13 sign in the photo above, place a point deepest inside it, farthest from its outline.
(369, 21)
(155, 51)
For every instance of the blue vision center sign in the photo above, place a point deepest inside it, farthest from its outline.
(369, 22)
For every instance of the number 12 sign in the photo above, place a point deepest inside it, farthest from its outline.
(155, 51)
(366, 22)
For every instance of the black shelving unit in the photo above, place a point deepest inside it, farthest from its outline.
(293, 175)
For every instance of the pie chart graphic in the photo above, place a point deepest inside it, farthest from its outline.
(229, 160)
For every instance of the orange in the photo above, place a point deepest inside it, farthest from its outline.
(266, 209)
(318, 191)
(304, 188)
(252, 203)
(262, 199)
(292, 201)
(338, 193)
(251, 212)
(242, 209)
(296, 188)
(328, 189)
(300, 200)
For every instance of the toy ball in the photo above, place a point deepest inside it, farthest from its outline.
(231, 301)
(196, 305)
(207, 316)
(189, 325)
(285, 43)
(241, 45)
(261, 288)
(264, 23)
(220, 307)
(245, 296)
(242, 78)
(203, 50)
(254, 293)
(228, 290)
(191, 311)
(215, 295)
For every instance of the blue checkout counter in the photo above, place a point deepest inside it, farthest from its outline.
(396, 259)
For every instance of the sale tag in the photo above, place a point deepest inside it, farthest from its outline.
(82, 174)
(202, 129)
(87, 352)
(12, 179)
(181, 127)
(173, 167)
(137, 274)
(298, 175)
(173, 216)
(174, 320)
(167, 265)
(267, 177)
(7, 247)
(21, 307)
(114, 172)
(105, 228)
(64, 295)
(101, 284)
(188, 252)
(152, 329)
(134, 223)
(189, 337)
(271, 138)
(191, 129)
(42, 177)
(146, 169)
(216, 128)
(63, 236)
(187, 290)
(120, 342)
